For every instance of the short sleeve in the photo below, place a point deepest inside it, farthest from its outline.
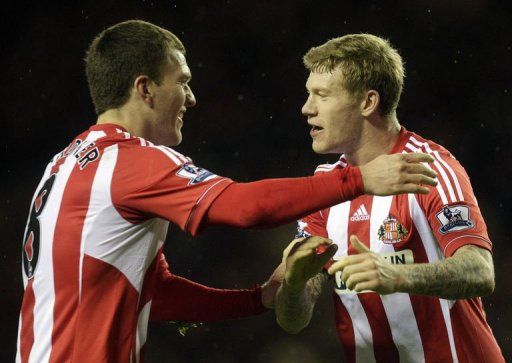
(156, 181)
(452, 209)
(312, 225)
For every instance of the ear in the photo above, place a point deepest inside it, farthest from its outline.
(142, 86)
(370, 103)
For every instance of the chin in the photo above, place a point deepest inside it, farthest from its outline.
(319, 149)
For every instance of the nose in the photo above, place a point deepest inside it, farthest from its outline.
(190, 99)
(309, 109)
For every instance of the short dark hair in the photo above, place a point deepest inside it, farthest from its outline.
(120, 54)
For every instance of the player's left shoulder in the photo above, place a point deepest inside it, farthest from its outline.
(444, 159)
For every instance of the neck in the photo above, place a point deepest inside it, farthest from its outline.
(127, 117)
(378, 137)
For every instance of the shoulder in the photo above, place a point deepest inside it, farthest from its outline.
(137, 150)
(454, 184)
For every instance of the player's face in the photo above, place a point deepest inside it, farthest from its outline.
(172, 98)
(333, 114)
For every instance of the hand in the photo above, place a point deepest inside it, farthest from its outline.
(367, 271)
(303, 262)
(269, 288)
(397, 174)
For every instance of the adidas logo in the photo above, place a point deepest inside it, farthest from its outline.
(360, 215)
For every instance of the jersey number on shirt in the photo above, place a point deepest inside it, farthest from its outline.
(33, 234)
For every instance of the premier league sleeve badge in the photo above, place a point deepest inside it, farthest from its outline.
(454, 218)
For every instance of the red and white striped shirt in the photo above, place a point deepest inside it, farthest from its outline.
(93, 244)
(409, 229)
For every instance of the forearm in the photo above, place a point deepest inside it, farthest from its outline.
(270, 202)
(179, 299)
(468, 273)
(294, 308)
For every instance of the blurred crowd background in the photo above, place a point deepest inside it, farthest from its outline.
(246, 60)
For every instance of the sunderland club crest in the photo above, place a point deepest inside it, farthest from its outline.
(391, 231)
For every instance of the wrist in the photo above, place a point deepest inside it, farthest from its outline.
(402, 281)
(351, 182)
(293, 289)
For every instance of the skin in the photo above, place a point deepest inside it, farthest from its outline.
(342, 123)
(155, 111)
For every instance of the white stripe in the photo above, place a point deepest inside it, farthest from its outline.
(142, 329)
(126, 135)
(439, 187)
(177, 154)
(439, 167)
(434, 254)
(364, 209)
(362, 330)
(337, 228)
(452, 173)
(18, 354)
(90, 137)
(398, 307)
(43, 284)
(170, 155)
(142, 141)
(107, 236)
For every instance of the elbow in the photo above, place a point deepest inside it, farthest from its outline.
(488, 285)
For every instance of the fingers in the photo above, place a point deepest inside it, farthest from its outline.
(371, 285)
(315, 242)
(420, 179)
(327, 254)
(356, 278)
(346, 261)
(416, 168)
(413, 189)
(348, 271)
(358, 245)
(417, 158)
(290, 246)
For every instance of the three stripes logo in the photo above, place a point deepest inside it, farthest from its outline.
(360, 215)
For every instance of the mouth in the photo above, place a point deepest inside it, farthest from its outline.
(180, 118)
(316, 130)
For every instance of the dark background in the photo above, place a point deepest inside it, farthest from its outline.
(249, 82)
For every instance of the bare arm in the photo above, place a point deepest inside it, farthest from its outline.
(466, 274)
(295, 308)
(303, 282)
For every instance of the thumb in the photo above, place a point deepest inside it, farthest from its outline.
(358, 245)
(327, 254)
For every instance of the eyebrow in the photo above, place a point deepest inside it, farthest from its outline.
(318, 89)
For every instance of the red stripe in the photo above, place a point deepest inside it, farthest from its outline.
(27, 322)
(66, 258)
(345, 330)
(107, 321)
(383, 345)
(473, 337)
(427, 311)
